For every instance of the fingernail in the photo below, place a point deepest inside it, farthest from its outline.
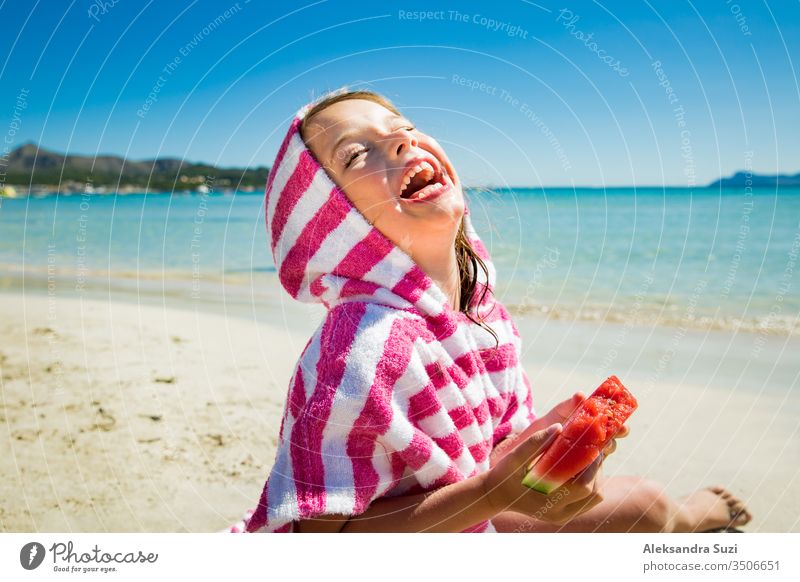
(554, 428)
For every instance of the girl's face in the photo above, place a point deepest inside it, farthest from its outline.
(399, 178)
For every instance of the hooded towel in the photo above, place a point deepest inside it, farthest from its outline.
(396, 393)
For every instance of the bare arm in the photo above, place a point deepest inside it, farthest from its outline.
(461, 505)
(452, 508)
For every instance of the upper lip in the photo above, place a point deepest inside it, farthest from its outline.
(414, 162)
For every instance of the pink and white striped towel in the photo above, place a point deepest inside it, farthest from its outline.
(395, 393)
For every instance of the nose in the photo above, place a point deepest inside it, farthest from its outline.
(402, 142)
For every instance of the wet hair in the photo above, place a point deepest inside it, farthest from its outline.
(467, 259)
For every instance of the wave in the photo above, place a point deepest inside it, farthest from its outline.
(763, 325)
(653, 313)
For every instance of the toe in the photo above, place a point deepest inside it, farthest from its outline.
(739, 513)
(736, 503)
(747, 516)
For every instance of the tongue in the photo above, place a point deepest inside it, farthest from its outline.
(417, 184)
(418, 193)
(415, 193)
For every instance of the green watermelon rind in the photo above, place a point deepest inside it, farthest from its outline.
(535, 482)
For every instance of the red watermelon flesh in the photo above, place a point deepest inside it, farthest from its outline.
(586, 433)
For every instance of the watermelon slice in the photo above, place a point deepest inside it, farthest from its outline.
(586, 432)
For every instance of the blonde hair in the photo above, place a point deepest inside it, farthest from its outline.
(466, 257)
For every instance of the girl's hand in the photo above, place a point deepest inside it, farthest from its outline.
(559, 414)
(504, 490)
(612, 446)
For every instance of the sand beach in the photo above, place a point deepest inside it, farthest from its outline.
(147, 414)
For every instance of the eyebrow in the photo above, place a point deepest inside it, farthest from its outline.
(348, 134)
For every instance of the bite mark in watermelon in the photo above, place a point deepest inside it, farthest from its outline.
(585, 434)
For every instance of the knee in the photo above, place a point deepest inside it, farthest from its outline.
(656, 507)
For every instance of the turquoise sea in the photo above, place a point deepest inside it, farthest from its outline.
(699, 258)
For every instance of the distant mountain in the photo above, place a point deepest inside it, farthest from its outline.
(31, 164)
(742, 179)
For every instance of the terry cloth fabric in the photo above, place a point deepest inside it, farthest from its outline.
(396, 393)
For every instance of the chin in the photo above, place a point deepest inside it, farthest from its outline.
(446, 217)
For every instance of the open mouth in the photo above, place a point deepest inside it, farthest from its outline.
(422, 181)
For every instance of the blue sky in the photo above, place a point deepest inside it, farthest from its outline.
(519, 93)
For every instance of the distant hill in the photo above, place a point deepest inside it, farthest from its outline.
(740, 180)
(30, 163)
(49, 170)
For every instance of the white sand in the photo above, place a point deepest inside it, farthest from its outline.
(135, 418)
(711, 411)
(129, 417)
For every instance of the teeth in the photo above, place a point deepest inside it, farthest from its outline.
(429, 191)
(421, 167)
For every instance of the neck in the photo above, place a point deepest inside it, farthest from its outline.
(440, 264)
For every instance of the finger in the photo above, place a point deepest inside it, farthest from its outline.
(507, 444)
(610, 447)
(565, 408)
(585, 478)
(585, 484)
(540, 423)
(623, 432)
(595, 487)
(526, 450)
(574, 402)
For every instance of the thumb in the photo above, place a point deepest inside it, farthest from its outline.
(537, 442)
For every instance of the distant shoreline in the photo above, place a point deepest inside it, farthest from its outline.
(45, 190)
(40, 171)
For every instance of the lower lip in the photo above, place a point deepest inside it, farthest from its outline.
(430, 197)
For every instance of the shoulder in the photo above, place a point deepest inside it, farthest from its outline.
(500, 319)
(359, 343)
(364, 324)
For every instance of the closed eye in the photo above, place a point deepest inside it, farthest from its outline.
(354, 156)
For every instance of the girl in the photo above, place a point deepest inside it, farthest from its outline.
(408, 409)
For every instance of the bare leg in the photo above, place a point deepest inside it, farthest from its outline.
(635, 504)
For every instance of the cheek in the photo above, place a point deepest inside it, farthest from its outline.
(368, 181)
(367, 188)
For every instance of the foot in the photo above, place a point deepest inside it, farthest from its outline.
(714, 507)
